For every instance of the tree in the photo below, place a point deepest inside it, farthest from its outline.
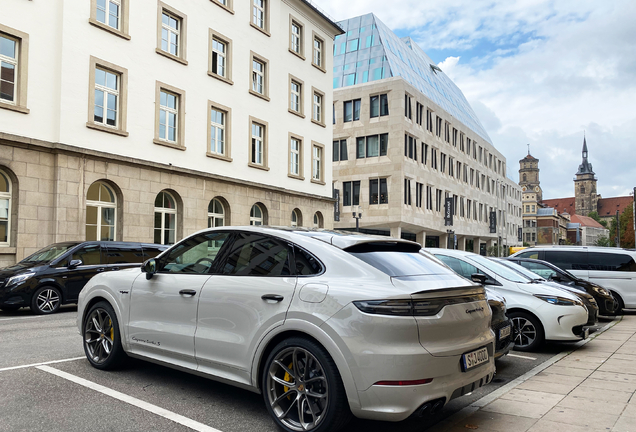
(594, 215)
(627, 228)
(603, 241)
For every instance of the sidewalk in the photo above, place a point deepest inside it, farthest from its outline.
(591, 389)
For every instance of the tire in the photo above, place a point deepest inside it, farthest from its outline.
(46, 300)
(102, 341)
(621, 303)
(328, 410)
(528, 331)
(9, 308)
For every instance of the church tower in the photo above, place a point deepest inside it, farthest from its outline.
(529, 176)
(585, 197)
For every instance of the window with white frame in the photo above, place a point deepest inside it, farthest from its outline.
(165, 218)
(317, 57)
(216, 214)
(106, 107)
(9, 68)
(170, 33)
(316, 171)
(168, 116)
(258, 76)
(217, 131)
(219, 57)
(5, 209)
(258, 133)
(317, 108)
(295, 96)
(108, 12)
(101, 206)
(256, 215)
(294, 156)
(296, 38)
(259, 13)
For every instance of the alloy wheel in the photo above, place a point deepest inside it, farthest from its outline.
(525, 331)
(99, 334)
(297, 389)
(48, 300)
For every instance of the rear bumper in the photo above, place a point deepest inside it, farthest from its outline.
(503, 345)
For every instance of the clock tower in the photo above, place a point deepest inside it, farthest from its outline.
(585, 196)
(529, 176)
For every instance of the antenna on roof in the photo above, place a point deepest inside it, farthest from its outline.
(528, 149)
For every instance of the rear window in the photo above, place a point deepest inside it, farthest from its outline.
(528, 254)
(611, 262)
(567, 260)
(396, 263)
(124, 253)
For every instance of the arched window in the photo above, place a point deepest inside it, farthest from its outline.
(524, 177)
(101, 206)
(165, 218)
(256, 215)
(294, 219)
(216, 214)
(318, 221)
(5, 208)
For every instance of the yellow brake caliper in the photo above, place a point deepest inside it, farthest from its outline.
(112, 331)
(288, 379)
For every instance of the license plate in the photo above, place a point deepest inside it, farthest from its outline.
(504, 332)
(475, 358)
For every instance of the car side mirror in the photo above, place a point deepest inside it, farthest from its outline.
(149, 267)
(479, 278)
(74, 264)
(556, 278)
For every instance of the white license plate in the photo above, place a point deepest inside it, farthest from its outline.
(504, 332)
(475, 358)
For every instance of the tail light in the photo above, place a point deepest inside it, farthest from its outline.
(422, 307)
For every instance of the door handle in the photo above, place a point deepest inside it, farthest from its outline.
(114, 268)
(99, 270)
(189, 292)
(274, 297)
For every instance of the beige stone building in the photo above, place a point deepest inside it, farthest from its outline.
(405, 140)
(124, 122)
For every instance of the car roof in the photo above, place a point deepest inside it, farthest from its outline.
(579, 248)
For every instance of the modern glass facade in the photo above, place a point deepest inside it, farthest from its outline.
(370, 51)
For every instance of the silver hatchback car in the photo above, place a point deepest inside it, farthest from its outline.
(323, 324)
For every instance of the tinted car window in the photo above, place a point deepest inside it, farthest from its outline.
(540, 269)
(529, 254)
(257, 255)
(499, 269)
(306, 263)
(567, 260)
(195, 255)
(123, 253)
(89, 254)
(152, 250)
(401, 263)
(49, 253)
(611, 262)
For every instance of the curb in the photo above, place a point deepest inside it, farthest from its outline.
(475, 406)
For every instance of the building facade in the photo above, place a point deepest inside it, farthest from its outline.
(406, 140)
(147, 121)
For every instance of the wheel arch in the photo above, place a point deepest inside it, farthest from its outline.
(319, 337)
(44, 282)
(95, 298)
(526, 311)
(619, 299)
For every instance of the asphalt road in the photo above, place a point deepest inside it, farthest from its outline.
(47, 398)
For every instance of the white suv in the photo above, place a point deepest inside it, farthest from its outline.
(321, 323)
(612, 268)
(538, 311)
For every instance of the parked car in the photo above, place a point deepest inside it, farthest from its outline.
(323, 324)
(538, 312)
(55, 275)
(588, 301)
(612, 268)
(607, 304)
(500, 324)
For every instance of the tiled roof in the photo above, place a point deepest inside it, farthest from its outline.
(608, 206)
(561, 204)
(585, 221)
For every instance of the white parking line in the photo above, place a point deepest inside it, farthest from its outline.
(192, 424)
(26, 317)
(523, 357)
(41, 364)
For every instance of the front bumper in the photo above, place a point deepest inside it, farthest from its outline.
(396, 403)
(503, 345)
(564, 323)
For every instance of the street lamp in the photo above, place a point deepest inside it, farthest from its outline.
(357, 216)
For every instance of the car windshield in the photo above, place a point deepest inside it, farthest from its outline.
(516, 267)
(402, 263)
(49, 253)
(500, 270)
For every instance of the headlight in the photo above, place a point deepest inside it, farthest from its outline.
(14, 280)
(556, 300)
(601, 291)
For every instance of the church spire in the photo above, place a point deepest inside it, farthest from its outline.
(585, 167)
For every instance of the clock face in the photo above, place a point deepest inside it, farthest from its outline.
(523, 189)
(536, 188)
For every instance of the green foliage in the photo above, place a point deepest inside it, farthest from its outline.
(492, 251)
(526, 244)
(594, 215)
(626, 223)
(603, 241)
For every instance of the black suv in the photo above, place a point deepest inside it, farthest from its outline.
(56, 274)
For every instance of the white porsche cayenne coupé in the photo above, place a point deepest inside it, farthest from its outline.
(323, 324)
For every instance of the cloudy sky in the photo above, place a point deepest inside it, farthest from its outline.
(538, 72)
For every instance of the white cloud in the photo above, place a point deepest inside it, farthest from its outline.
(551, 70)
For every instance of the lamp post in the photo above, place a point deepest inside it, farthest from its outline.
(357, 216)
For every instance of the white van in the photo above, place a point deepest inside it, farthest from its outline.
(612, 268)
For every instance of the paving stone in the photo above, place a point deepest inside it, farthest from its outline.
(562, 370)
(609, 385)
(493, 421)
(613, 376)
(519, 408)
(550, 426)
(621, 366)
(630, 411)
(558, 378)
(592, 404)
(536, 397)
(625, 424)
(548, 387)
(581, 364)
(599, 394)
(569, 416)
